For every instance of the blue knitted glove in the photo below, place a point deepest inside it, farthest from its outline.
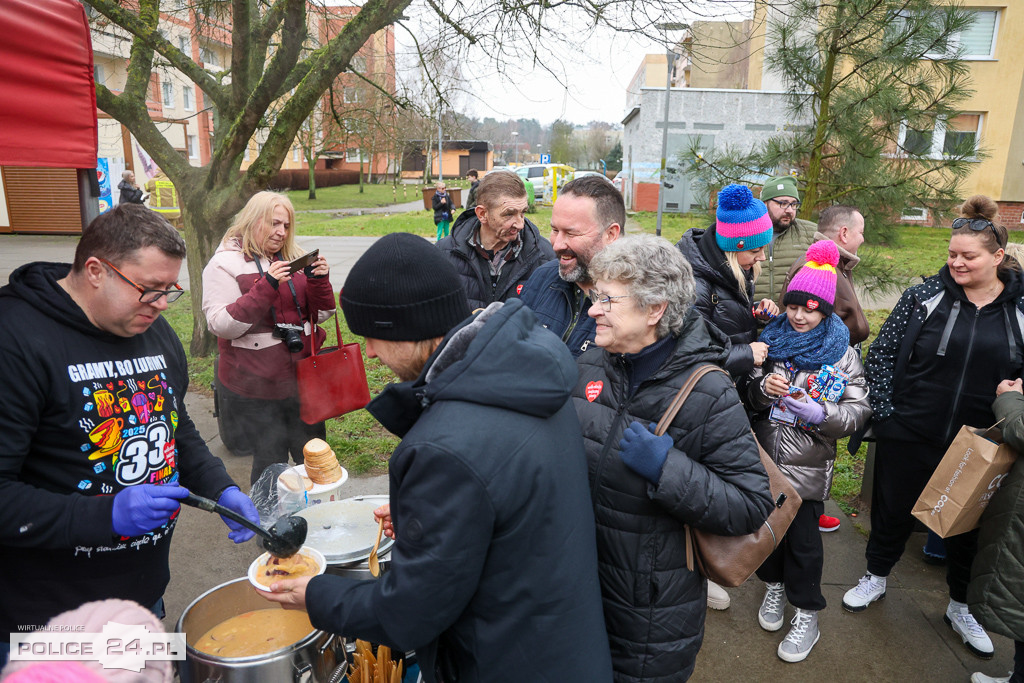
(643, 452)
(142, 508)
(810, 412)
(234, 499)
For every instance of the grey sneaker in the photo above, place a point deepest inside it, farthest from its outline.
(801, 638)
(773, 608)
(967, 627)
(978, 677)
(867, 590)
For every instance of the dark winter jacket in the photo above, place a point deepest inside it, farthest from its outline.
(719, 299)
(784, 250)
(442, 212)
(86, 414)
(996, 591)
(129, 193)
(847, 305)
(937, 360)
(713, 479)
(471, 197)
(474, 271)
(494, 569)
(561, 307)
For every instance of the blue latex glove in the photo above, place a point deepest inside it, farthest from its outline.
(142, 508)
(234, 499)
(810, 412)
(643, 452)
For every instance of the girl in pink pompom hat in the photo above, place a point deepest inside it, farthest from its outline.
(809, 392)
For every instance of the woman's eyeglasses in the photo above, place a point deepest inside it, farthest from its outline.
(603, 299)
(148, 296)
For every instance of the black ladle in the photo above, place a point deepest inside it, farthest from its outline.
(283, 539)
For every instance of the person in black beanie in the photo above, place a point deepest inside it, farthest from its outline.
(495, 553)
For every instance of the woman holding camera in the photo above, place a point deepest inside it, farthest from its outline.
(261, 313)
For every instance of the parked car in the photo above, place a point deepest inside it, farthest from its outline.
(581, 174)
(535, 174)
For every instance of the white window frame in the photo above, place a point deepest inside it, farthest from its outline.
(167, 93)
(358, 64)
(188, 98)
(354, 98)
(355, 155)
(99, 73)
(953, 46)
(920, 215)
(185, 44)
(939, 138)
(295, 153)
(246, 155)
(192, 143)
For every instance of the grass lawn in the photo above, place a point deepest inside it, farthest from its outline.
(349, 196)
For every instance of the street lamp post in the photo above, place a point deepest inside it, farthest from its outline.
(664, 132)
(515, 141)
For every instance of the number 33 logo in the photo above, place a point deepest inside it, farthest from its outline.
(143, 453)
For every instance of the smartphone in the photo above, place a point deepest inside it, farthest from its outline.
(303, 261)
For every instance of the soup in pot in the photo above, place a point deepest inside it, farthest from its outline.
(255, 633)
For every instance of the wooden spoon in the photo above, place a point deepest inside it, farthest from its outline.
(372, 560)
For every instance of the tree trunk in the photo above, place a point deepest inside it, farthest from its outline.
(312, 177)
(814, 164)
(360, 171)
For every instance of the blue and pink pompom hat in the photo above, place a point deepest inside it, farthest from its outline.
(742, 221)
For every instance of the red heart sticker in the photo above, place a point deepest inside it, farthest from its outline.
(812, 304)
(594, 390)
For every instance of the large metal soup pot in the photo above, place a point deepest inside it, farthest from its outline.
(311, 659)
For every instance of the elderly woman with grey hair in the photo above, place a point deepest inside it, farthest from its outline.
(705, 471)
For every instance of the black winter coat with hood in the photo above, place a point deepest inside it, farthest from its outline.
(474, 271)
(712, 479)
(719, 298)
(494, 568)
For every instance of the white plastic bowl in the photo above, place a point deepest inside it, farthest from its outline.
(306, 550)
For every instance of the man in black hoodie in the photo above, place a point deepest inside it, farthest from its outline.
(494, 568)
(97, 444)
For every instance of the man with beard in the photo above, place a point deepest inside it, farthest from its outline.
(588, 215)
(792, 236)
(494, 569)
(493, 247)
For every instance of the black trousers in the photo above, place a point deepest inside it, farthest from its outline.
(1018, 663)
(798, 559)
(902, 469)
(268, 429)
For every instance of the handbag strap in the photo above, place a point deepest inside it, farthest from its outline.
(337, 326)
(682, 395)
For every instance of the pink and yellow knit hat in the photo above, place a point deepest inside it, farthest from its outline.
(814, 285)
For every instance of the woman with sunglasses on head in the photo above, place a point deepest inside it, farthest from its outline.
(261, 313)
(704, 471)
(934, 367)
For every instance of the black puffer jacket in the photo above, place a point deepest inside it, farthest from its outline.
(713, 479)
(474, 271)
(719, 299)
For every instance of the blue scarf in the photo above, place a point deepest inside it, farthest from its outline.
(824, 345)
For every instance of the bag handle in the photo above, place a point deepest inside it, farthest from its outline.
(337, 326)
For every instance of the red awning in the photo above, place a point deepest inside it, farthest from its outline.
(47, 96)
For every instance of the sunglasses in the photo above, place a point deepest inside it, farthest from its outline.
(148, 296)
(977, 225)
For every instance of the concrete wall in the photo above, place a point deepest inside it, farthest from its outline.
(739, 119)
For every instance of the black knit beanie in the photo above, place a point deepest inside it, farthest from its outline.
(403, 289)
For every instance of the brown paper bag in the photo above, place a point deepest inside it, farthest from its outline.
(964, 482)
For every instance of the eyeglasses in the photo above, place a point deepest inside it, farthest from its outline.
(977, 225)
(148, 296)
(787, 205)
(603, 299)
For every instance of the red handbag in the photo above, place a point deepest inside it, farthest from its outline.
(332, 381)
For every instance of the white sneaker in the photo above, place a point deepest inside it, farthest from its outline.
(978, 677)
(867, 590)
(772, 614)
(718, 598)
(967, 627)
(801, 638)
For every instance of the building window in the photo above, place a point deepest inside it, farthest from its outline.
(295, 153)
(246, 155)
(98, 73)
(188, 99)
(168, 91)
(357, 64)
(354, 155)
(208, 57)
(958, 136)
(976, 42)
(185, 45)
(192, 142)
(914, 213)
(351, 95)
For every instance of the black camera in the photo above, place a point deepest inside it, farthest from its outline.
(291, 335)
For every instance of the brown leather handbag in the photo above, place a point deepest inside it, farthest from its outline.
(332, 381)
(731, 560)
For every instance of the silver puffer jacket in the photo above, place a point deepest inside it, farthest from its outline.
(807, 457)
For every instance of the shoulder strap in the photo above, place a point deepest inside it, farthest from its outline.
(684, 393)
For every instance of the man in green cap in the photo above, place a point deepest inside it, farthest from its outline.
(792, 236)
